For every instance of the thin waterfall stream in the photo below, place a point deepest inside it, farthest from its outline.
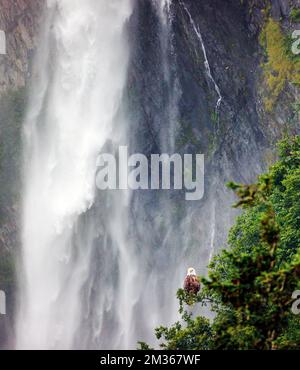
(206, 62)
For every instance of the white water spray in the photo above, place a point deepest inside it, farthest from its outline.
(164, 10)
(81, 66)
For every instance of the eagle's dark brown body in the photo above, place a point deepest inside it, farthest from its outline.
(191, 284)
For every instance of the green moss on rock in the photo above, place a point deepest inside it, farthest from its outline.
(281, 66)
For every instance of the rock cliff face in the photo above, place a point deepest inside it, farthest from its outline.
(283, 117)
(231, 136)
(238, 140)
(19, 20)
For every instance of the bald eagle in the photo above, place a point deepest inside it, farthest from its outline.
(191, 282)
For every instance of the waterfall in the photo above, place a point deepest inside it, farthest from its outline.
(76, 103)
(164, 9)
(172, 86)
(206, 62)
(94, 263)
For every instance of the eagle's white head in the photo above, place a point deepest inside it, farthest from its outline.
(191, 271)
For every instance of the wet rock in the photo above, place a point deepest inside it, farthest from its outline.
(19, 20)
(280, 8)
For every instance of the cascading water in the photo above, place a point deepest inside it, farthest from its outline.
(101, 269)
(76, 100)
(169, 118)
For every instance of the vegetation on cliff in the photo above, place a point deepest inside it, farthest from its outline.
(295, 15)
(281, 65)
(250, 284)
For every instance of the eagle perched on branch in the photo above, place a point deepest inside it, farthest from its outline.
(191, 282)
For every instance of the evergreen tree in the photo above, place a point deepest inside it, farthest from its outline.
(250, 283)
